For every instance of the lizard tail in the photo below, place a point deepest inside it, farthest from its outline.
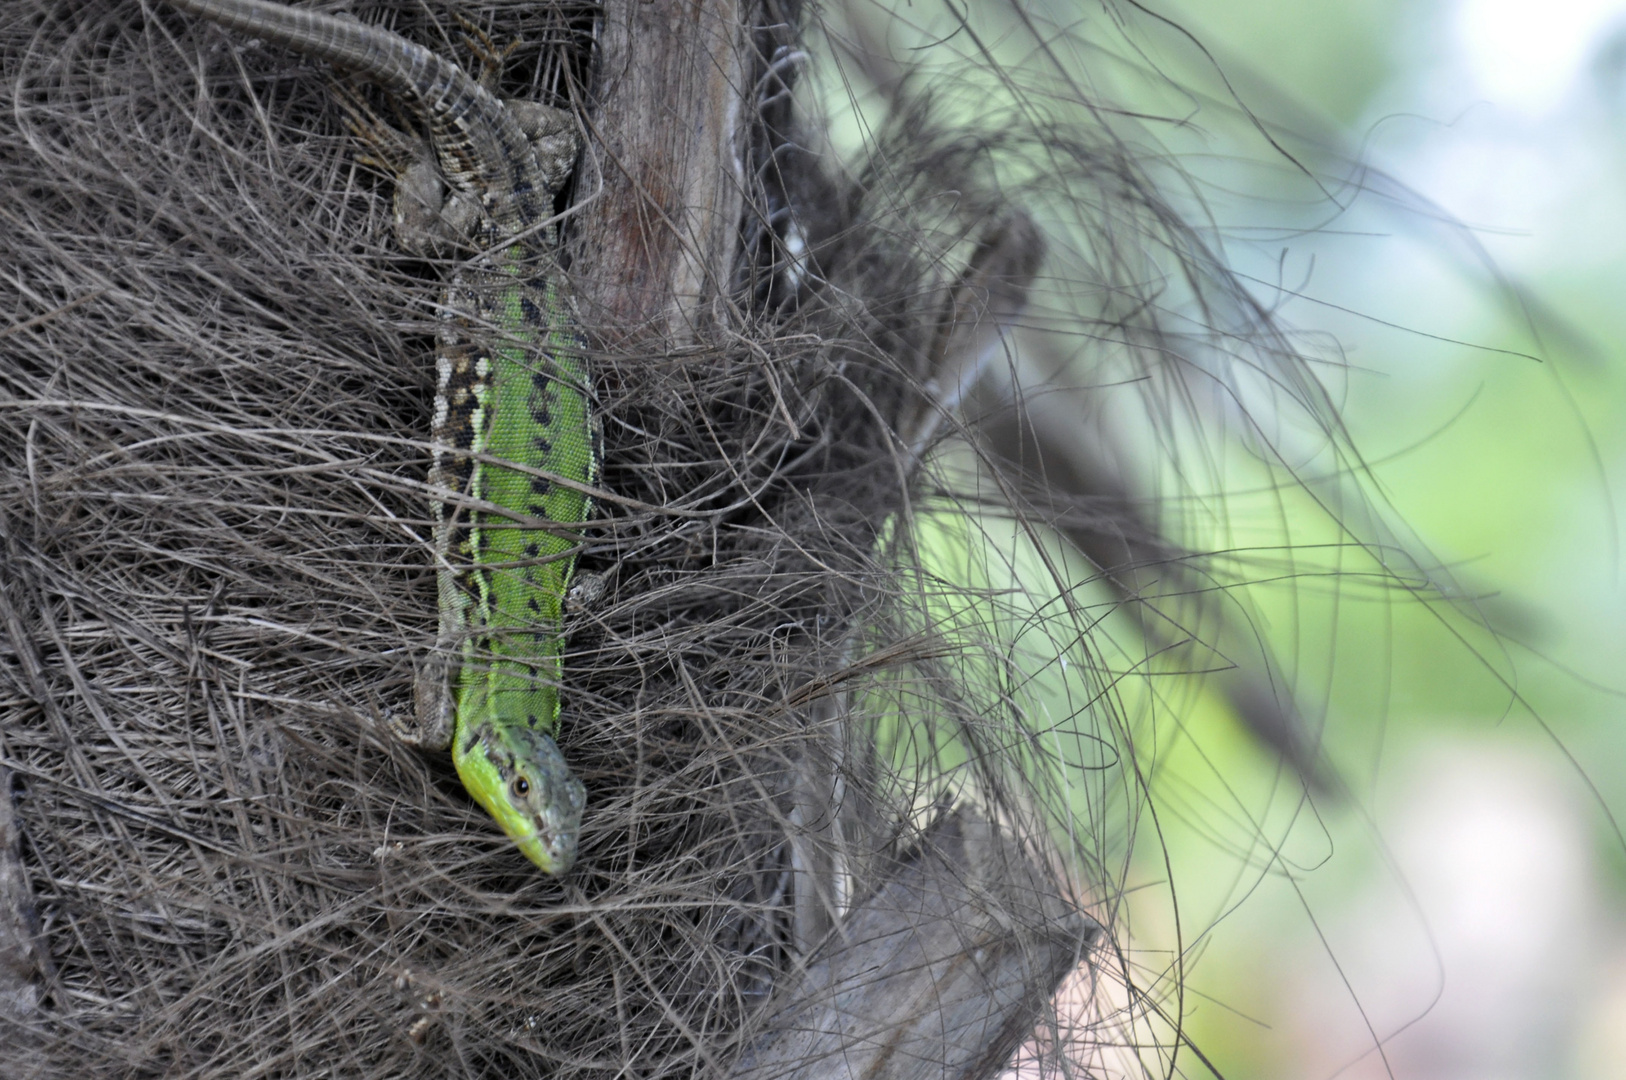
(473, 134)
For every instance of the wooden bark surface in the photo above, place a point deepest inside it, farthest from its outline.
(661, 187)
(940, 973)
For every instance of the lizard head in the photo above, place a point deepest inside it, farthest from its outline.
(520, 777)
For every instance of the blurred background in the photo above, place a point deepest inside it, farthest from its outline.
(1430, 197)
(1462, 915)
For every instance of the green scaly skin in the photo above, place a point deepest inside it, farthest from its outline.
(512, 416)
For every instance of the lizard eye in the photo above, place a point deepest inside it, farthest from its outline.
(521, 787)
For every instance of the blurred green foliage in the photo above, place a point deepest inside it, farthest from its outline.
(1478, 367)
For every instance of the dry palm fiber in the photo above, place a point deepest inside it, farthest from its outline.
(215, 384)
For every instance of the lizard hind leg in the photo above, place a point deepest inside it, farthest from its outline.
(492, 59)
(554, 139)
(435, 707)
(551, 132)
(428, 222)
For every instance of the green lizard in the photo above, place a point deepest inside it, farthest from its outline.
(514, 440)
